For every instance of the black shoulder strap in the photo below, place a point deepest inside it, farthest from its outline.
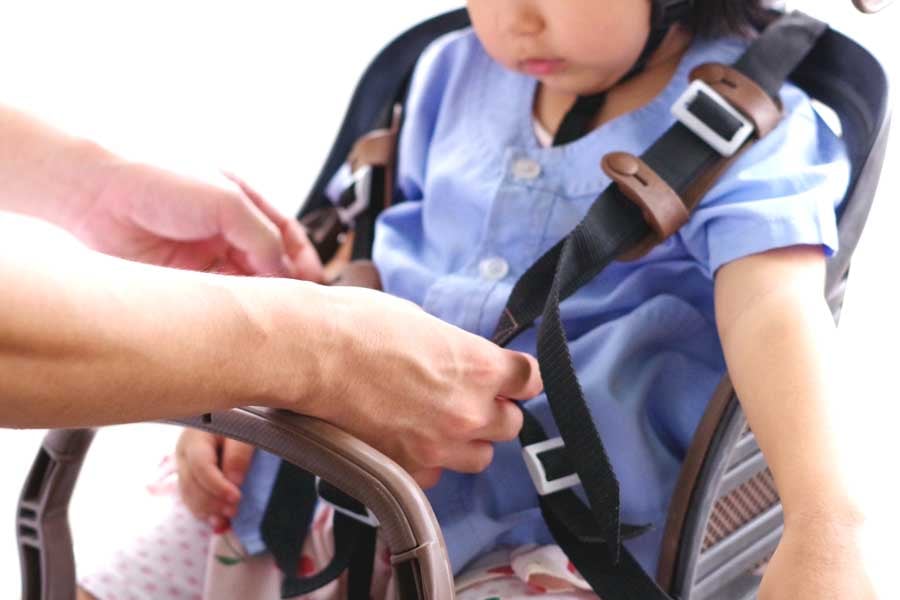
(612, 225)
(592, 535)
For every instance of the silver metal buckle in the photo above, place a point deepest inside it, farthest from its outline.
(368, 519)
(362, 187)
(702, 130)
(537, 472)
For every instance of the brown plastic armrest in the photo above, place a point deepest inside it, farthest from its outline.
(408, 525)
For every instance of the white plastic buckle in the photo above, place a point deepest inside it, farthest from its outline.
(705, 132)
(362, 188)
(537, 472)
(368, 519)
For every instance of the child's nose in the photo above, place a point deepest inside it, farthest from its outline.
(524, 20)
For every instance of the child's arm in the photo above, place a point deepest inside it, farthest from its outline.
(780, 344)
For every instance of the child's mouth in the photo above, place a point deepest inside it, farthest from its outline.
(541, 66)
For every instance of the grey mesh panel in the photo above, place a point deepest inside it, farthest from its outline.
(742, 530)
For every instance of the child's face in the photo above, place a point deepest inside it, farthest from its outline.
(571, 46)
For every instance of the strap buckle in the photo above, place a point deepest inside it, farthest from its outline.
(355, 199)
(686, 108)
(531, 454)
(345, 505)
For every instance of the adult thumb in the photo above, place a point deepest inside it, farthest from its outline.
(520, 376)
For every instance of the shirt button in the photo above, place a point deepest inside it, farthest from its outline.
(525, 168)
(493, 269)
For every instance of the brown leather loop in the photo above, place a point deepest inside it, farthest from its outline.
(870, 6)
(743, 93)
(359, 273)
(663, 210)
(373, 149)
(378, 147)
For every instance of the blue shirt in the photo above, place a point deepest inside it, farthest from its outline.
(484, 200)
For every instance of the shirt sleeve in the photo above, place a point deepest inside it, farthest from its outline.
(427, 90)
(783, 191)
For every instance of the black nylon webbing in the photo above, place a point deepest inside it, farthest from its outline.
(577, 120)
(354, 547)
(287, 515)
(612, 225)
(609, 228)
(354, 542)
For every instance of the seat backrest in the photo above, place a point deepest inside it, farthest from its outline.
(382, 84)
(725, 517)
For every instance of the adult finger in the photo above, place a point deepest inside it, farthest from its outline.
(504, 424)
(249, 231)
(520, 376)
(427, 478)
(300, 252)
(236, 460)
(469, 457)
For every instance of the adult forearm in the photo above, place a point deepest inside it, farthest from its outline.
(45, 172)
(90, 339)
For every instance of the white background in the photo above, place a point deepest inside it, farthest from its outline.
(259, 88)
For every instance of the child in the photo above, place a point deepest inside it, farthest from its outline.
(487, 194)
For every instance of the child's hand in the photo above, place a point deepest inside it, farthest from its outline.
(818, 561)
(210, 470)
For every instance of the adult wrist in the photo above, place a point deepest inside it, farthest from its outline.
(292, 342)
(84, 170)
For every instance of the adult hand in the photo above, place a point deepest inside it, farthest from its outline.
(424, 392)
(218, 222)
(145, 213)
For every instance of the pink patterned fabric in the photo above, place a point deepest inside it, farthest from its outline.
(182, 558)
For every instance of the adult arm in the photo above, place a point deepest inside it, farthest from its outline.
(142, 212)
(89, 339)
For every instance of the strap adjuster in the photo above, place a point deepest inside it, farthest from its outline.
(538, 472)
(355, 199)
(333, 496)
(682, 110)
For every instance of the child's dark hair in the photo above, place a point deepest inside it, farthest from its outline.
(710, 18)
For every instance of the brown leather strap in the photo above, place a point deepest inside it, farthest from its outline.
(333, 242)
(743, 93)
(704, 181)
(662, 208)
(359, 273)
(378, 148)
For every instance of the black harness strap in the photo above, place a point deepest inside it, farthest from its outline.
(287, 518)
(286, 524)
(577, 121)
(611, 226)
(590, 535)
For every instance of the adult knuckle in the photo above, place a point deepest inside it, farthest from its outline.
(464, 422)
(484, 459)
(430, 454)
